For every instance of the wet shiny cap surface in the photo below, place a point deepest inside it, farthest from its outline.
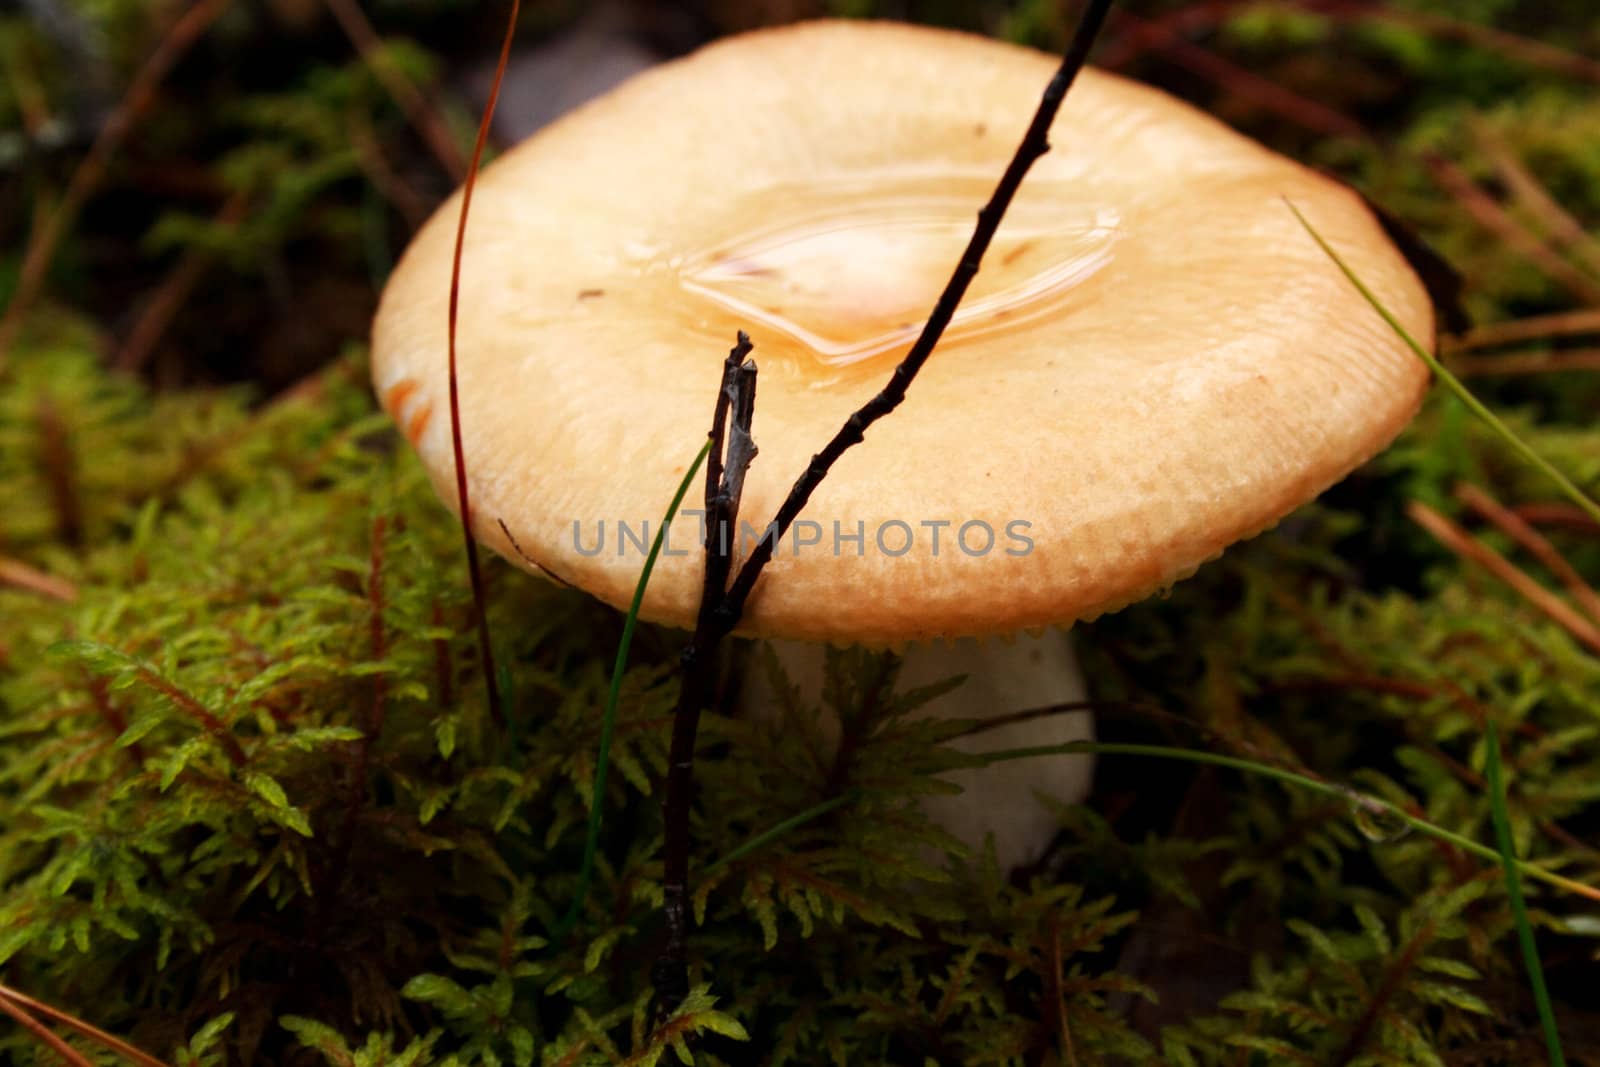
(1155, 361)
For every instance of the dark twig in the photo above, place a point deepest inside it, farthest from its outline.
(741, 446)
(732, 450)
(1034, 144)
(721, 605)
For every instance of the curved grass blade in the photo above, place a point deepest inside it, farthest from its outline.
(1364, 801)
(608, 720)
(463, 505)
(772, 833)
(1451, 382)
(1519, 910)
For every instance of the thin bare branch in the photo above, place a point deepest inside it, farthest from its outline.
(731, 452)
(726, 463)
(1034, 144)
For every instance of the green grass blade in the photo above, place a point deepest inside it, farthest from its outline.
(1519, 910)
(1451, 382)
(774, 832)
(608, 720)
(1362, 801)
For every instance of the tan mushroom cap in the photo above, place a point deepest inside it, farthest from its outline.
(1155, 361)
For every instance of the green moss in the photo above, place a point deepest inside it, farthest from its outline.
(249, 774)
(252, 809)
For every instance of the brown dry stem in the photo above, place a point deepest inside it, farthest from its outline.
(1537, 545)
(14, 572)
(1453, 537)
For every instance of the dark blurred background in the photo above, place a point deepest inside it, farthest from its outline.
(223, 185)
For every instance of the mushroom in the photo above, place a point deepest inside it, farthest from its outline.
(1155, 361)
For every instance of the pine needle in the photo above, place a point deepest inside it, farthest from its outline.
(772, 833)
(1361, 802)
(1451, 382)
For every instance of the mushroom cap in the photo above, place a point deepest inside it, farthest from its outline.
(1155, 361)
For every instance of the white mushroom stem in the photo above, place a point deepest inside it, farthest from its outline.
(1003, 677)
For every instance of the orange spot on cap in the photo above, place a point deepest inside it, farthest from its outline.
(417, 423)
(397, 395)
